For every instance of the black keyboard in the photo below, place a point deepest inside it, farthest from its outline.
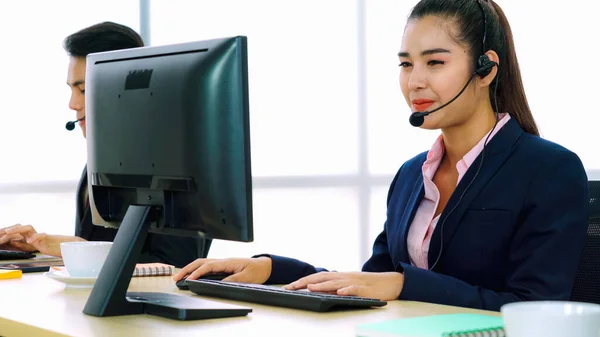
(14, 255)
(270, 295)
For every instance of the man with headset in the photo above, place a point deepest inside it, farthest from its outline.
(177, 251)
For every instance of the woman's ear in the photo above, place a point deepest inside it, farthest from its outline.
(487, 79)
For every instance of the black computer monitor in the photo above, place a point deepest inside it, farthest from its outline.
(168, 152)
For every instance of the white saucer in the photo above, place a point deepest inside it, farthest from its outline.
(70, 281)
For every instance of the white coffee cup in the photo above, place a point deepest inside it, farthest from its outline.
(84, 258)
(551, 319)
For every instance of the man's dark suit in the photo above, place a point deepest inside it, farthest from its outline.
(174, 250)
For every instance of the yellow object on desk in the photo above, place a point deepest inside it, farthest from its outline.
(8, 274)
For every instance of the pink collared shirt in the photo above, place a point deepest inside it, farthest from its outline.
(423, 225)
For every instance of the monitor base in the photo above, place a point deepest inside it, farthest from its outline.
(184, 308)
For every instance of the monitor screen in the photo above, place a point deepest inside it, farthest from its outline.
(168, 126)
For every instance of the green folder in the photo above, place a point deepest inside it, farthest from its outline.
(435, 326)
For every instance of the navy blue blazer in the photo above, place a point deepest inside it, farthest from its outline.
(517, 234)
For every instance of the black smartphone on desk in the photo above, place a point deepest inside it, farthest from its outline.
(32, 267)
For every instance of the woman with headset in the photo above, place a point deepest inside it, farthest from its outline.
(491, 214)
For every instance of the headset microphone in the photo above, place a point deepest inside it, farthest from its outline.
(418, 118)
(71, 125)
(484, 67)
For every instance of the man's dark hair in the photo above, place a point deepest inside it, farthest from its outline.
(101, 37)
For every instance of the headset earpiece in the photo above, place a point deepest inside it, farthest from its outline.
(484, 65)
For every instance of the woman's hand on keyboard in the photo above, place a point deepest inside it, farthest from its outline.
(246, 270)
(382, 286)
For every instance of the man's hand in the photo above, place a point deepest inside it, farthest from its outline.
(27, 239)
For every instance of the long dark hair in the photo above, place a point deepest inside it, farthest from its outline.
(467, 16)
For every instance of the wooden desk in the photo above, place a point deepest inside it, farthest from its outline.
(38, 306)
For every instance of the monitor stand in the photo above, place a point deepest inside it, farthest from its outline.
(109, 297)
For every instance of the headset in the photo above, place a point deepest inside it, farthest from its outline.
(484, 67)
